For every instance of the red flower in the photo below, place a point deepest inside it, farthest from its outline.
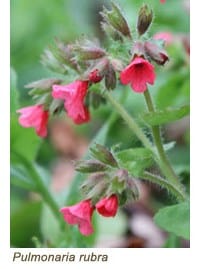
(80, 214)
(94, 76)
(34, 116)
(162, 1)
(107, 207)
(73, 94)
(138, 73)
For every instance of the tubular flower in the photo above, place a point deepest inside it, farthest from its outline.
(36, 117)
(138, 73)
(107, 207)
(81, 215)
(73, 94)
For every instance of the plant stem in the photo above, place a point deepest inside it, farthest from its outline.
(130, 121)
(165, 164)
(169, 186)
(160, 157)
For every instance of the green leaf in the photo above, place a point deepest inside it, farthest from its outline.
(14, 94)
(172, 242)
(23, 140)
(20, 178)
(175, 90)
(135, 160)
(166, 115)
(24, 224)
(175, 219)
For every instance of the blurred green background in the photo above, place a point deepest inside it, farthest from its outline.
(34, 25)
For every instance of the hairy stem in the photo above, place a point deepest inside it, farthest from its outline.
(178, 193)
(129, 120)
(164, 162)
(160, 157)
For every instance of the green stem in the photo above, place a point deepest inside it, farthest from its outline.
(179, 194)
(161, 157)
(164, 162)
(130, 121)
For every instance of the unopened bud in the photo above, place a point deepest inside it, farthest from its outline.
(132, 189)
(156, 53)
(43, 84)
(111, 32)
(145, 18)
(95, 76)
(110, 78)
(50, 61)
(90, 166)
(88, 50)
(115, 18)
(117, 65)
(104, 155)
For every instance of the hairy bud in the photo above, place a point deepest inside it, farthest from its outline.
(156, 53)
(90, 166)
(104, 155)
(144, 19)
(115, 18)
(110, 78)
(88, 50)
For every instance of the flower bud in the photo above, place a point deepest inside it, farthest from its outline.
(144, 19)
(43, 84)
(90, 166)
(103, 155)
(95, 76)
(110, 78)
(50, 61)
(88, 50)
(156, 53)
(117, 65)
(111, 32)
(115, 18)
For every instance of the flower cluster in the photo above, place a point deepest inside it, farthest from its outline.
(95, 65)
(81, 213)
(106, 189)
(95, 70)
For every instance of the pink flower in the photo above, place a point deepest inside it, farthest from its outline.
(73, 94)
(162, 1)
(80, 214)
(94, 76)
(138, 73)
(34, 116)
(107, 207)
(167, 37)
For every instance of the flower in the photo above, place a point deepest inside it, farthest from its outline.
(138, 73)
(34, 116)
(95, 76)
(162, 1)
(80, 214)
(167, 37)
(73, 94)
(107, 207)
